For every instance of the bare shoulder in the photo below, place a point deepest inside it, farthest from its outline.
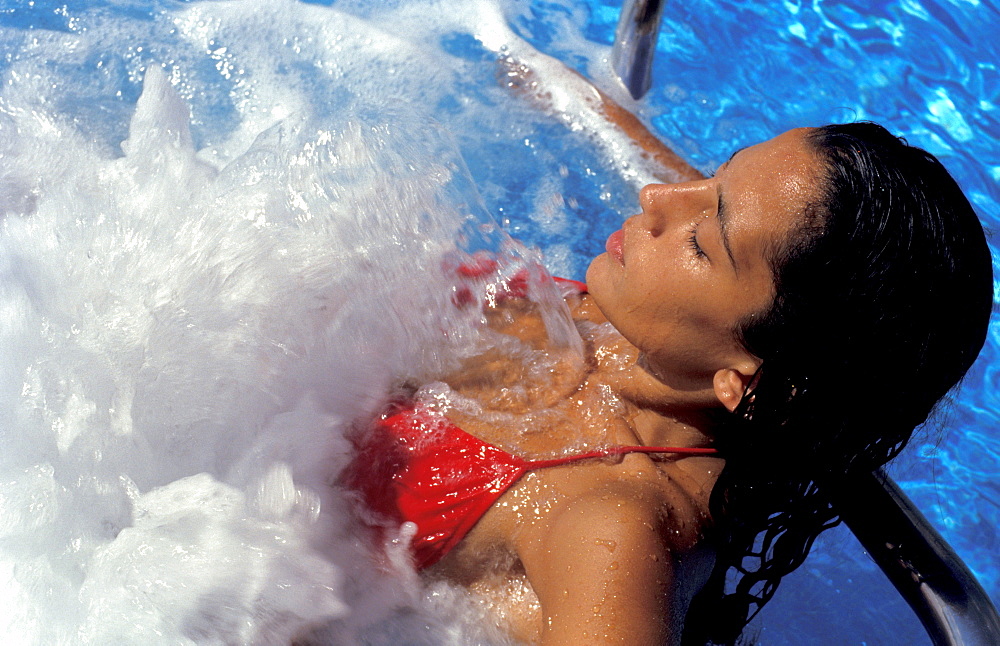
(616, 516)
(606, 566)
(604, 553)
(638, 501)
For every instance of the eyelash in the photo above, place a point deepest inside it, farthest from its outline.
(693, 243)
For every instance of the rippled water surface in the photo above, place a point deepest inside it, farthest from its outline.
(727, 74)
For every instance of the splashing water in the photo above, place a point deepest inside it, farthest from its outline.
(187, 336)
(170, 332)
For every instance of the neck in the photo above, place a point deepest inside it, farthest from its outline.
(664, 408)
(666, 415)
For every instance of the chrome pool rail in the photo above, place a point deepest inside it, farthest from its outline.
(941, 590)
(635, 44)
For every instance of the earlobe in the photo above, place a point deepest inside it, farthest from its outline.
(729, 385)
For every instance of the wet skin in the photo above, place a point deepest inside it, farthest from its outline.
(611, 551)
(694, 263)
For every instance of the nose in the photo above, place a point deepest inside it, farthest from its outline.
(665, 203)
(651, 201)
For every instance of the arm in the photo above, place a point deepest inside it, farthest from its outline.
(557, 88)
(640, 134)
(603, 573)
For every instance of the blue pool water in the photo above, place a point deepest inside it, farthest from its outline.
(727, 74)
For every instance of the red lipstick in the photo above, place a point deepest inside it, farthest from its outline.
(614, 246)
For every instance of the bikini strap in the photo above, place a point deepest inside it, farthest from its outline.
(618, 450)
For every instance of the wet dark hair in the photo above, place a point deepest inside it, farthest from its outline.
(882, 304)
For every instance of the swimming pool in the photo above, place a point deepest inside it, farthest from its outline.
(726, 75)
(738, 72)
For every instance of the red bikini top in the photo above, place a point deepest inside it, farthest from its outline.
(416, 466)
(419, 467)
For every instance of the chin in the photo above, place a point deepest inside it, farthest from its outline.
(594, 266)
(597, 276)
(599, 284)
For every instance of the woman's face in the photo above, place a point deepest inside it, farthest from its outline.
(680, 276)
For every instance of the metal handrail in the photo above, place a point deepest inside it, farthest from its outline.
(939, 587)
(635, 44)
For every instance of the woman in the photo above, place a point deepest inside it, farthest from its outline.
(752, 338)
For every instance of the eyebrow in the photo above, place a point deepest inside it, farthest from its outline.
(722, 219)
(721, 216)
(736, 152)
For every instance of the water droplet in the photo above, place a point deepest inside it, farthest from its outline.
(611, 545)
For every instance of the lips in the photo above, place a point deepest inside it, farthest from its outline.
(614, 246)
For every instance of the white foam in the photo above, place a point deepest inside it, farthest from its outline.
(192, 343)
(201, 290)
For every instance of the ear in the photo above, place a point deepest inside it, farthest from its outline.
(729, 384)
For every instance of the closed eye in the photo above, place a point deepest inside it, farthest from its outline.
(693, 243)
